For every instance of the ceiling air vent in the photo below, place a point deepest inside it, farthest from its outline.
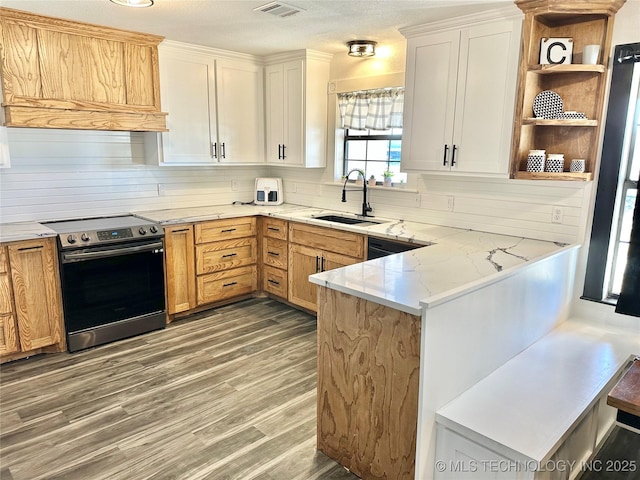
(279, 9)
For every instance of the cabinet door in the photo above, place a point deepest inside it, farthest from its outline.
(36, 289)
(180, 268)
(432, 65)
(303, 261)
(187, 83)
(487, 78)
(240, 112)
(274, 101)
(294, 121)
(285, 112)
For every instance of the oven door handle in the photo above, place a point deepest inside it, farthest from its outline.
(67, 257)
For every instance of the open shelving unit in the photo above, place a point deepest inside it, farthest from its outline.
(581, 87)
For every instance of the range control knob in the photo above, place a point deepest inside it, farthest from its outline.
(85, 237)
(71, 239)
(142, 231)
(153, 229)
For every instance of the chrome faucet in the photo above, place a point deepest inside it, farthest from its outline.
(365, 205)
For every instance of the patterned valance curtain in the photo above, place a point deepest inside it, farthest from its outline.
(372, 109)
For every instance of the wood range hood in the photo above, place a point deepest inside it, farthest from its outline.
(64, 74)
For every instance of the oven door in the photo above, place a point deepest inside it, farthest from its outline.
(104, 285)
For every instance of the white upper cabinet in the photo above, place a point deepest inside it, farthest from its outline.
(4, 148)
(214, 105)
(460, 94)
(296, 108)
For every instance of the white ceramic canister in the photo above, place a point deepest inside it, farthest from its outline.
(577, 165)
(535, 161)
(554, 163)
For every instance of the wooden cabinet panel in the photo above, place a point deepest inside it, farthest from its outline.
(4, 260)
(275, 228)
(327, 239)
(180, 268)
(368, 374)
(6, 297)
(227, 284)
(66, 76)
(225, 229)
(216, 256)
(275, 281)
(141, 75)
(36, 289)
(8, 338)
(275, 253)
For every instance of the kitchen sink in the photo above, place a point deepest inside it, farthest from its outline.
(348, 220)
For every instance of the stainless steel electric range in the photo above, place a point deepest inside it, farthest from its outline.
(112, 278)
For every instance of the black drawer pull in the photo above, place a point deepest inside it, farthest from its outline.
(228, 230)
(229, 255)
(274, 282)
(24, 249)
(230, 284)
(274, 229)
(318, 264)
(180, 230)
(275, 254)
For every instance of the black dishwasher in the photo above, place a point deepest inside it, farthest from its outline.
(379, 247)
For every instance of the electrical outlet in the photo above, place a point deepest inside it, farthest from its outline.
(450, 203)
(557, 214)
(234, 185)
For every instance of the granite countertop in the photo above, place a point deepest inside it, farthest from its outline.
(13, 232)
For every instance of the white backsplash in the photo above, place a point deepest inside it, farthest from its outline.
(58, 174)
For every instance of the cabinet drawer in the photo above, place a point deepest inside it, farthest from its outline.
(275, 281)
(213, 257)
(6, 301)
(274, 228)
(227, 284)
(274, 253)
(225, 229)
(327, 239)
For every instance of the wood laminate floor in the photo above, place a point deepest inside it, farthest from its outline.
(228, 395)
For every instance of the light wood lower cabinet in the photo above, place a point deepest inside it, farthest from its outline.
(316, 249)
(226, 259)
(31, 303)
(180, 268)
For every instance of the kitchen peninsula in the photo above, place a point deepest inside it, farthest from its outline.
(445, 316)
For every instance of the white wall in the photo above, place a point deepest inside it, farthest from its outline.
(59, 174)
(625, 31)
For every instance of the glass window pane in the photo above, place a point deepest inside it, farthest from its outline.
(378, 150)
(635, 158)
(627, 215)
(618, 267)
(351, 165)
(356, 150)
(376, 169)
(395, 147)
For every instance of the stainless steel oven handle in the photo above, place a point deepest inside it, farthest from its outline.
(156, 247)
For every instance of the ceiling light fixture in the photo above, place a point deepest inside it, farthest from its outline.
(134, 3)
(362, 48)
